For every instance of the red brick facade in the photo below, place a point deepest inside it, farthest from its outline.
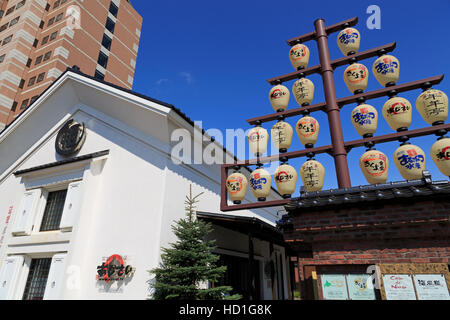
(354, 236)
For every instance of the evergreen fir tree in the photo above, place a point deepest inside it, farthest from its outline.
(189, 262)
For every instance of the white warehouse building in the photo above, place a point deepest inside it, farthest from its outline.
(87, 182)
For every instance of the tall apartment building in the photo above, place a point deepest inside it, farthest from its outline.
(39, 39)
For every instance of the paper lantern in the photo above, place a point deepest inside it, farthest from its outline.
(440, 153)
(279, 97)
(375, 165)
(285, 180)
(410, 161)
(386, 70)
(312, 173)
(307, 130)
(432, 105)
(258, 137)
(348, 41)
(299, 56)
(282, 135)
(237, 187)
(356, 77)
(260, 183)
(397, 112)
(364, 118)
(303, 90)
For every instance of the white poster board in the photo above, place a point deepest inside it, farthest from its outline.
(399, 287)
(358, 288)
(431, 287)
(334, 287)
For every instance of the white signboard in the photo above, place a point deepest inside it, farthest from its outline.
(334, 287)
(399, 287)
(431, 287)
(358, 287)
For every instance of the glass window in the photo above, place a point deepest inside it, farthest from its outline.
(44, 40)
(31, 81)
(53, 35)
(2, 58)
(50, 22)
(7, 40)
(47, 55)
(56, 4)
(24, 104)
(37, 279)
(9, 11)
(3, 27)
(33, 99)
(110, 25)
(106, 42)
(113, 9)
(59, 17)
(102, 59)
(38, 60)
(20, 4)
(53, 210)
(40, 77)
(99, 75)
(14, 21)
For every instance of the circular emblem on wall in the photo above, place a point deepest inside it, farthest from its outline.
(70, 138)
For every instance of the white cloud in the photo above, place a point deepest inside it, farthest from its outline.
(187, 76)
(161, 81)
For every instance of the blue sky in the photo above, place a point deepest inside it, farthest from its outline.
(212, 59)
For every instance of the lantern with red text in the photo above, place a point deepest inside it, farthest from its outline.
(348, 41)
(260, 183)
(279, 97)
(237, 187)
(374, 165)
(410, 161)
(285, 180)
(397, 112)
(299, 56)
(386, 70)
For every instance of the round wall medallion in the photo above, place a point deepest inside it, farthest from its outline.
(70, 138)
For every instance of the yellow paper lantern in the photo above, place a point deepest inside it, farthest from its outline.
(375, 166)
(348, 41)
(282, 133)
(279, 97)
(303, 90)
(410, 161)
(285, 179)
(260, 183)
(258, 137)
(312, 173)
(386, 70)
(307, 130)
(440, 153)
(432, 105)
(237, 187)
(299, 56)
(397, 112)
(365, 118)
(356, 77)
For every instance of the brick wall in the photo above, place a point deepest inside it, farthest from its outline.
(410, 230)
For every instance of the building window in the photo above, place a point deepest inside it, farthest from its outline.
(110, 25)
(40, 77)
(44, 40)
(14, 106)
(31, 81)
(56, 4)
(38, 60)
(37, 279)
(50, 22)
(2, 58)
(7, 40)
(98, 75)
(9, 11)
(29, 62)
(3, 27)
(14, 21)
(53, 35)
(106, 42)
(53, 210)
(113, 9)
(20, 4)
(33, 99)
(47, 55)
(24, 104)
(102, 59)
(59, 17)
(1, 13)
(22, 83)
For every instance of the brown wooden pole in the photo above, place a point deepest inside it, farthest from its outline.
(332, 109)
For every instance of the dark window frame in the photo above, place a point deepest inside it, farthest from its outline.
(31, 81)
(106, 42)
(110, 25)
(45, 40)
(37, 279)
(102, 59)
(38, 60)
(47, 56)
(53, 210)
(24, 104)
(113, 9)
(53, 36)
(40, 77)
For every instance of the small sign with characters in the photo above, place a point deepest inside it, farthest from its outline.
(114, 269)
(431, 287)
